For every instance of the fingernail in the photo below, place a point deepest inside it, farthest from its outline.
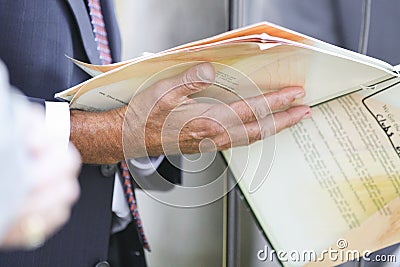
(300, 94)
(205, 73)
(307, 115)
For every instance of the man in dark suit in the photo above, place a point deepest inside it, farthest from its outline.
(36, 34)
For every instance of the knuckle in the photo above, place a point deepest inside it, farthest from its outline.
(216, 130)
(280, 100)
(198, 135)
(188, 82)
(292, 120)
(197, 129)
(211, 128)
(261, 111)
(222, 143)
(219, 142)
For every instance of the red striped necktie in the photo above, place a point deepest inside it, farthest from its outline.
(99, 30)
(101, 39)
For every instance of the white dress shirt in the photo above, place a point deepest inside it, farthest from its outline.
(58, 123)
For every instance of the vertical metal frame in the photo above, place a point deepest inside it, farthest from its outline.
(235, 15)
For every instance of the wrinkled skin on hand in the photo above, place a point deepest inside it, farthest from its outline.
(163, 119)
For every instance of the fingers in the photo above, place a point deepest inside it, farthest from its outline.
(195, 79)
(259, 107)
(249, 133)
(276, 123)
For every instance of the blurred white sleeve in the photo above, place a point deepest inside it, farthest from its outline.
(57, 122)
(15, 166)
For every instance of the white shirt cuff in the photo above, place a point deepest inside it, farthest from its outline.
(141, 167)
(57, 122)
(120, 207)
(146, 166)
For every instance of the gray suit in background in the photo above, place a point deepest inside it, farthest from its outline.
(337, 22)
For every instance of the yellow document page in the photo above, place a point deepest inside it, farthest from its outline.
(329, 174)
(323, 75)
(260, 32)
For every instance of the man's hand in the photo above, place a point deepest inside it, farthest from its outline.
(163, 119)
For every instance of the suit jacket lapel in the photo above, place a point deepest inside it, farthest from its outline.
(85, 27)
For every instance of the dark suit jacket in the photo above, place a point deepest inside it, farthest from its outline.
(35, 37)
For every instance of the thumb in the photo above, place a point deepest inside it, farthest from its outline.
(194, 80)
